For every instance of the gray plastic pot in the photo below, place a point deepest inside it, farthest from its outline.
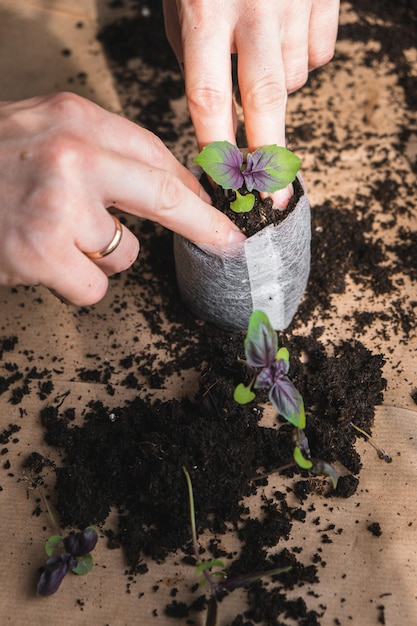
(269, 271)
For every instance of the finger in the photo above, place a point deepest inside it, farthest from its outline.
(294, 47)
(122, 257)
(262, 87)
(75, 278)
(324, 23)
(157, 195)
(208, 77)
(172, 27)
(80, 280)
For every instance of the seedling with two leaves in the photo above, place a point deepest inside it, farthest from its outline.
(75, 555)
(269, 365)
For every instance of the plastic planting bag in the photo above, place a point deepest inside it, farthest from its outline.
(269, 271)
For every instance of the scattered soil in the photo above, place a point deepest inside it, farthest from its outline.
(130, 457)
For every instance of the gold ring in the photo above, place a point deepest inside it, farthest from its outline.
(111, 247)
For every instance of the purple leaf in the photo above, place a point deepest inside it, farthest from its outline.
(270, 168)
(81, 543)
(53, 573)
(288, 401)
(222, 161)
(261, 343)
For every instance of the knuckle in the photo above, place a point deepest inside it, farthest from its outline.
(66, 105)
(265, 95)
(156, 150)
(170, 194)
(209, 100)
(296, 79)
(321, 56)
(63, 154)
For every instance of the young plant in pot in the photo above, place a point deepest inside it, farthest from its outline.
(267, 271)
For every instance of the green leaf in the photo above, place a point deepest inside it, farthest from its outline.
(283, 354)
(222, 161)
(300, 460)
(84, 565)
(205, 565)
(270, 168)
(243, 203)
(243, 395)
(52, 543)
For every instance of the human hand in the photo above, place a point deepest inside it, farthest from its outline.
(277, 43)
(63, 162)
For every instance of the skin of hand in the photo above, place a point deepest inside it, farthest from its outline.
(277, 43)
(64, 161)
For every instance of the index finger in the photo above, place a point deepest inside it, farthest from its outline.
(158, 195)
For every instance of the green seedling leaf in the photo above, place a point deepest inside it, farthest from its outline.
(222, 161)
(300, 460)
(270, 168)
(208, 565)
(52, 543)
(243, 203)
(84, 565)
(243, 394)
(283, 354)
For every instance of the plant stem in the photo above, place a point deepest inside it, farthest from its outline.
(381, 453)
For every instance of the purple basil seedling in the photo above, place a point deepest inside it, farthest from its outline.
(269, 365)
(75, 558)
(268, 169)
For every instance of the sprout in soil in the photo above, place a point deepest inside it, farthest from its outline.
(75, 555)
(269, 365)
(268, 169)
(380, 452)
(217, 579)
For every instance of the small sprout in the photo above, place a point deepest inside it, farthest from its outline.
(75, 558)
(220, 585)
(243, 394)
(243, 203)
(300, 460)
(380, 452)
(322, 468)
(271, 367)
(268, 169)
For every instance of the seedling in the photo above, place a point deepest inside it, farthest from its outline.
(380, 452)
(217, 579)
(268, 169)
(74, 557)
(269, 365)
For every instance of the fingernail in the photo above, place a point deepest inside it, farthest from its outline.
(235, 235)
